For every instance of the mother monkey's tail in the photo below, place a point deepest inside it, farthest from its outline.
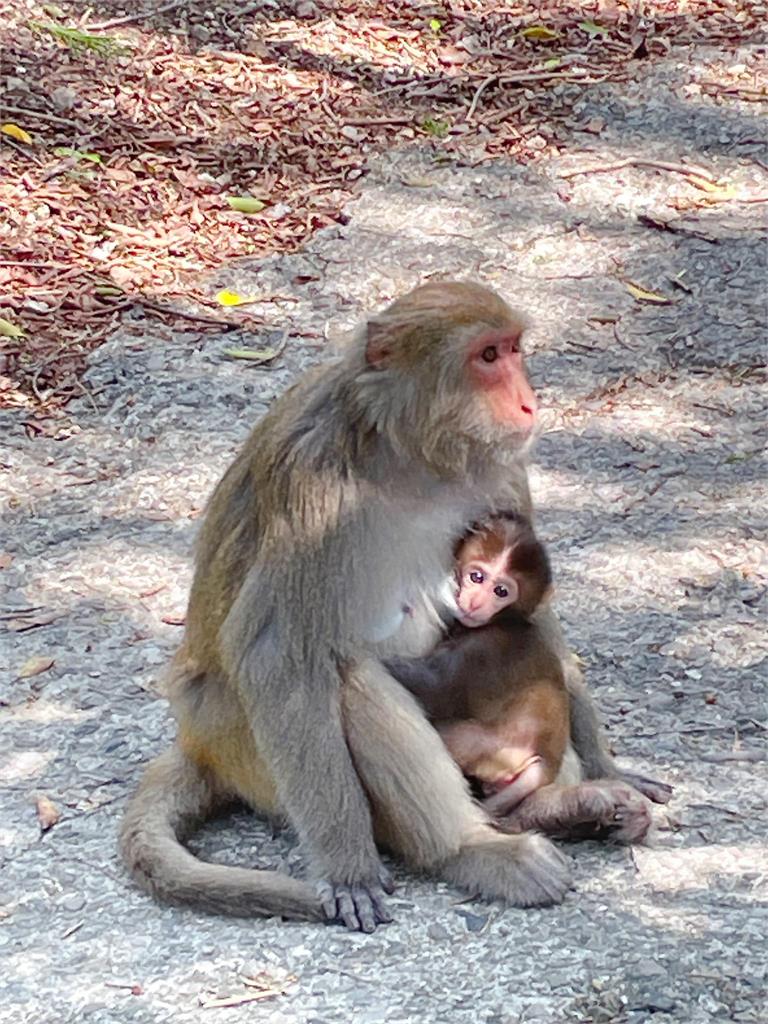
(174, 797)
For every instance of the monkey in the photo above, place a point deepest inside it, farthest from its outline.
(364, 470)
(496, 693)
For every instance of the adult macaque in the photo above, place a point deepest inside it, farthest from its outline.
(338, 511)
(495, 691)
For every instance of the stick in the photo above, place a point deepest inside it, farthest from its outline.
(637, 161)
(172, 311)
(128, 18)
(478, 93)
(26, 112)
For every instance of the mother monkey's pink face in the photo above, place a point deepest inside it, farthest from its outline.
(497, 371)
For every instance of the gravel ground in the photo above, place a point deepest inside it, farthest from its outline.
(651, 484)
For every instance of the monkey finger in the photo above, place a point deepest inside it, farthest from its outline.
(658, 792)
(327, 896)
(386, 881)
(380, 908)
(349, 912)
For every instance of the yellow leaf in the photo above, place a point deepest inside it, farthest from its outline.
(16, 133)
(34, 666)
(643, 295)
(228, 298)
(539, 32)
(703, 183)
(256, 355)
(245, 204)
(9, 330)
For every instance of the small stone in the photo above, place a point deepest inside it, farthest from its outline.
(474, 922)
(306, 10)
(438, 932)
(647, 968)
(74, 902)
(63, 98)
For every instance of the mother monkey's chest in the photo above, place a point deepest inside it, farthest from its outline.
(406, 572)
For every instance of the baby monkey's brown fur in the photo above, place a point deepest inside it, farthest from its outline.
(496, 693)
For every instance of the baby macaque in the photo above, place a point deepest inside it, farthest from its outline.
(493, 688)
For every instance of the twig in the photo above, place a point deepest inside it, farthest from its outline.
(636, 161)
(26, 112)
(173, 311)
(720, 757)
(478, 93)
(365, 122)
(128, 18)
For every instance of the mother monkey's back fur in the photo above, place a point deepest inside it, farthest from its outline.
(339, 512)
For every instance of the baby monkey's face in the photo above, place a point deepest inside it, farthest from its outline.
(484, 586)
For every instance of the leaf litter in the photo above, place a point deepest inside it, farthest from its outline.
(136, 149)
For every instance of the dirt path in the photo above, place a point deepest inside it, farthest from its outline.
(652, 488)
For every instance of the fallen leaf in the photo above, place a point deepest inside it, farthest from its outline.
(256, 355)
(14, 132)
(9, 330)
(47, 813)
(704, 184)
(228, 298)
(6, 559)
(245, 204)
(551, 64)
(78, 154)
(35, 666)
(173, 620)
(593, 30)
(540, 32)
(643, 295)
(21, 625)
(418, 182)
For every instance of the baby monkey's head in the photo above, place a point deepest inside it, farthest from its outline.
(500, 566)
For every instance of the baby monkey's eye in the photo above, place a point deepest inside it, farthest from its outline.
(476, 577)
(501, 591)
(489, 354)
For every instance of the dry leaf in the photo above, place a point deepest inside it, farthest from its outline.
(540, 32)
(255, 355)
(14, 132)
(643, 295)
(35, 666)
(703, 183)
(173, 620)
(6, 559)
(418, 182)
(47, 813)
(9, 330)
(228, 298)
(24, 623)
(245, 204)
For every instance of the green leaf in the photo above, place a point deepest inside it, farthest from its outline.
(439, 129)
(9, 330)
(76, 39)
(435, 24)
(551, 64)
(245, 204)
(77, 153)
(593, 30)
(254, 355)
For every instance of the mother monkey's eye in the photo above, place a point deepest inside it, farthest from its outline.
(489, 354)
